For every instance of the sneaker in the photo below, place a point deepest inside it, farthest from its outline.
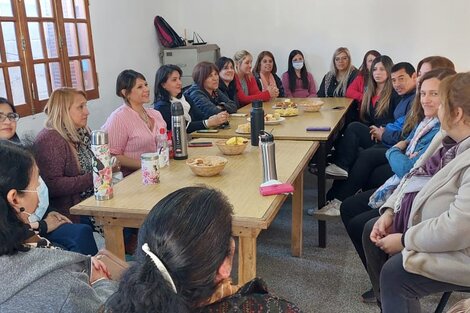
(331, 209)
(335, 170)
(368, 296)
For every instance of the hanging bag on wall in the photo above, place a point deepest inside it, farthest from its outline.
(166, 34)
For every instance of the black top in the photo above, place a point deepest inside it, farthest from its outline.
(329, 83)
(230, 90)
(276, 79)
(164, 107)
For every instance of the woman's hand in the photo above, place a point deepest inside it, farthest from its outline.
(401, 145)
(54, 220)
(273, 91)
(98, 270)
(217, 119)
(382, 226)
(391, 244)
(376, 133)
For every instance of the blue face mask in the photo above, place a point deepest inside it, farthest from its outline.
(298, 64)
(43, 195)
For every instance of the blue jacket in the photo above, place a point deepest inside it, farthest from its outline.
(206, 104)
(401, 163)
(392, 133)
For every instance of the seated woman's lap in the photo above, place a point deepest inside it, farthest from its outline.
(74, 237)
(355, 136)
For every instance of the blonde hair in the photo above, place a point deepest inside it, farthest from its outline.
(57, 110)
(239, 57)
(343, 83)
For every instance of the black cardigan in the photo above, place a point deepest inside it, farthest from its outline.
(164, 107)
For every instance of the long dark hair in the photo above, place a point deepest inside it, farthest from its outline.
(190, 232)
(16, 168)
(291, 71)
(15, 137)
(261, 55)
(363, 70)
(126, 80)
(161, 77)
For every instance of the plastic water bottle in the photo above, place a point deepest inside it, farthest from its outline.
(256, 121)
(163, 149)
(178, 132)
(102, 167)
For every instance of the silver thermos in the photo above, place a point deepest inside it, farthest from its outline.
(178, 130)
(102, 166)
(268, 155)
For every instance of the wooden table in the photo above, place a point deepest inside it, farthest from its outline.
(294, 128)
(239, 180)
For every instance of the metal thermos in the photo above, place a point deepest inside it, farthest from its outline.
(178, 131)
(102, 166)
(268, 155)
(256, 121)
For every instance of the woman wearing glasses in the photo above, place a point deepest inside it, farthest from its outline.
(8, 119)
(342, 73)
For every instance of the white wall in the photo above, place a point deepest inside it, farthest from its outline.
(124, 36)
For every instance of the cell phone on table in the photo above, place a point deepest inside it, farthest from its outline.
(208, 131)
(114, 265)
(200, 144)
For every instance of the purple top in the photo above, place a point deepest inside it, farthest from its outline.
(300, 91)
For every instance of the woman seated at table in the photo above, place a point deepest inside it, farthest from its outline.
(205, 94)
(132, 128)
(297, 81)
(36, 277)
(167, 88)
(341, 75)
(358, 86)
(420, 244)
(186, 261)
(247, 88)
(50, 224)
(265, 72)
(226, 68)
(433, 62)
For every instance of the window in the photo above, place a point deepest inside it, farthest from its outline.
(44, 44)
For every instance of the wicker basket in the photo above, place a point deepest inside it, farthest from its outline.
(202, 169)
(314, 106)
(231, 149)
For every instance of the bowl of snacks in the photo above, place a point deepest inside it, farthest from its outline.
(207, 165)
(232, 146)
(311, 106)
(286, 103)
(243, 128)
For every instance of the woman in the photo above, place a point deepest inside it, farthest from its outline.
(342, 73)
(420, 244)
(50, 224)
(132, 128)
(358, 86)
(265, 72)
(433, 62)
(297, 81)
(226, 68)
(167, 88)
(186, 260)
(63, 150)
(38, 277)
(247, 88)
(205, 95)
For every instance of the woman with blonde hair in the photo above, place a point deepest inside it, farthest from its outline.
(63, 150)
(342, 73)
(247, 88)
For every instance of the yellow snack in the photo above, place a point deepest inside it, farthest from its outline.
(235, 141)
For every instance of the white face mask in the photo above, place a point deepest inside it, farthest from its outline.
(43, 195)
(298, 64)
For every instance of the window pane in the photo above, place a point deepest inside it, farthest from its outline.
(46, 9)
(76, 73)
(9, 36)
(71, 35)
(3, 90)
(41, 81)
(31, 8)
(67, 8)
(5, 8)
(88, 74)
(79, 9)
(16, 83)
(35, 38)
(51, 40)
(83, 38)
(56, 76)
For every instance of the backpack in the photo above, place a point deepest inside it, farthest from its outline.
(166, 34)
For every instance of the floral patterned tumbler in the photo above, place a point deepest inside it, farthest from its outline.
(102, 166)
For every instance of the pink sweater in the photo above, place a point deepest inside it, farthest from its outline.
(129, 136)
(300, 91)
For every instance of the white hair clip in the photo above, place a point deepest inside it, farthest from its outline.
(161, 267)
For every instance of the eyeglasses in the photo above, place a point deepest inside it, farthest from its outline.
(13, 117)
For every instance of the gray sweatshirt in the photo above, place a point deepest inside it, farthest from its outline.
(48, 280)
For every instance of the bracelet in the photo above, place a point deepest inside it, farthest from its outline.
(42, 228)
(205, 123)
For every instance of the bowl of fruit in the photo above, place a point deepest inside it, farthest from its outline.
(232, 146)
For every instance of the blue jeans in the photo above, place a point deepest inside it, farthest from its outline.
(74, 237)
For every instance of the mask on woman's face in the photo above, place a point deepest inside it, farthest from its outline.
(298, 64)
(43, 195)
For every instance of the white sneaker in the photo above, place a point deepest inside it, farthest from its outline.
(331, 209)
(335, 170)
